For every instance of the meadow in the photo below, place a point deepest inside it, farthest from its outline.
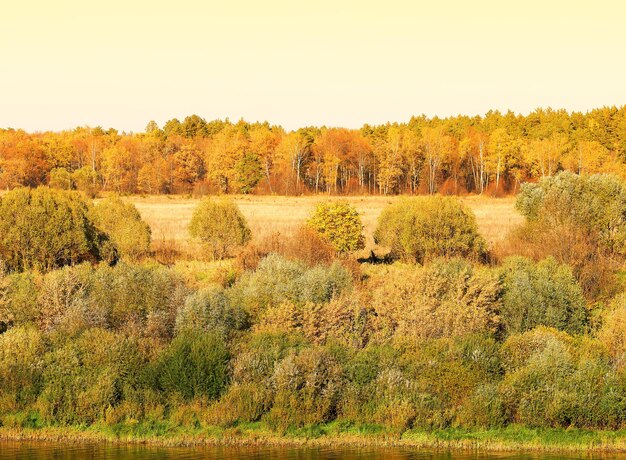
(169, 216)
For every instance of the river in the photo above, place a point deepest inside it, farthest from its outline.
(50, 451)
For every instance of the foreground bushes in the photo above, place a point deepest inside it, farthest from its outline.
(541, 294)
(293, 345)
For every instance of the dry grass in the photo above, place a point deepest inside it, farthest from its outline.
(169, 216)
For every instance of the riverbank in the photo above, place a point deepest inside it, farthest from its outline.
(512, 438)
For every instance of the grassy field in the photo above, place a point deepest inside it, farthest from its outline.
(169, 216)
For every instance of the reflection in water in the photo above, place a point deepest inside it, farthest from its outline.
(48, 451)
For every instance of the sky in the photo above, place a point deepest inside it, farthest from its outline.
(68, 63)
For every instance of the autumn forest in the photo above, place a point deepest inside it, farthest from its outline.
(490, 154)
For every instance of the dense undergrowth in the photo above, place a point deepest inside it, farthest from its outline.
(292, 340)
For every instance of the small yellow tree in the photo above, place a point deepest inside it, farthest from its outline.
(340, 224)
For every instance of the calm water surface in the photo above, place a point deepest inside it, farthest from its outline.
(41, 451)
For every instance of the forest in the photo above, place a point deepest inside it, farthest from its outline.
(492, 154)
(296, 336)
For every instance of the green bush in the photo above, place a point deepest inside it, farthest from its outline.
(220, 226)
(21, 366)
(128, 233)
(141, 299)
(422, 228)
(210, 310)
(86, 376)
(44, 229)
(60, 178)
(541, 294)
(580, 221)
(195, 364)
(136, 296)
(596, 204)
(18, 299)
(555, 381)
(340, 224)
(308, 386)
(278, 280)
(251, 394)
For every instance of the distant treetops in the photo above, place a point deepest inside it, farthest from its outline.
(492, 154)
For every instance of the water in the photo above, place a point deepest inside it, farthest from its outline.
(50, 451)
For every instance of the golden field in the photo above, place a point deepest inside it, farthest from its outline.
(169, 215)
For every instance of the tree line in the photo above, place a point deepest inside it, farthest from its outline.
(492, 154)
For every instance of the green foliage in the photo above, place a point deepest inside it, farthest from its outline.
(195, 364)
(21, 349)
(210, 310)
(422, 228)
(308, 386)
(445, 299)
(126, 295)
(595, 204)
(86, 180)
(580, 220)
(44, 229)
(85, 377)
(277, 280)
(249, 172)
(128, 233)
(18, 299)
(553, 381)
(340, 224)
(60, 178)
(220, 226)
(541, 294)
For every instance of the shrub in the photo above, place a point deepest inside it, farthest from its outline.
(278, 280)
(422, 228)
(18, 299)
(445, 299)
(613, 331)
(307, 385)
(21, 349)
(142, 297)
(252, 393)
(304, 245)
(86, 180)
(62, 301)
(128, 233)
(88, 375)
(544, 293)
(44, 229)
(60, 178)
(220, 226)
(340, 224)
(554, 380)
(343, 320)
(210, 310)
(195, 364)
(580, 221)
(309, 246)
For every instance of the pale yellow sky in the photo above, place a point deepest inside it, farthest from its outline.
(120, 63)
